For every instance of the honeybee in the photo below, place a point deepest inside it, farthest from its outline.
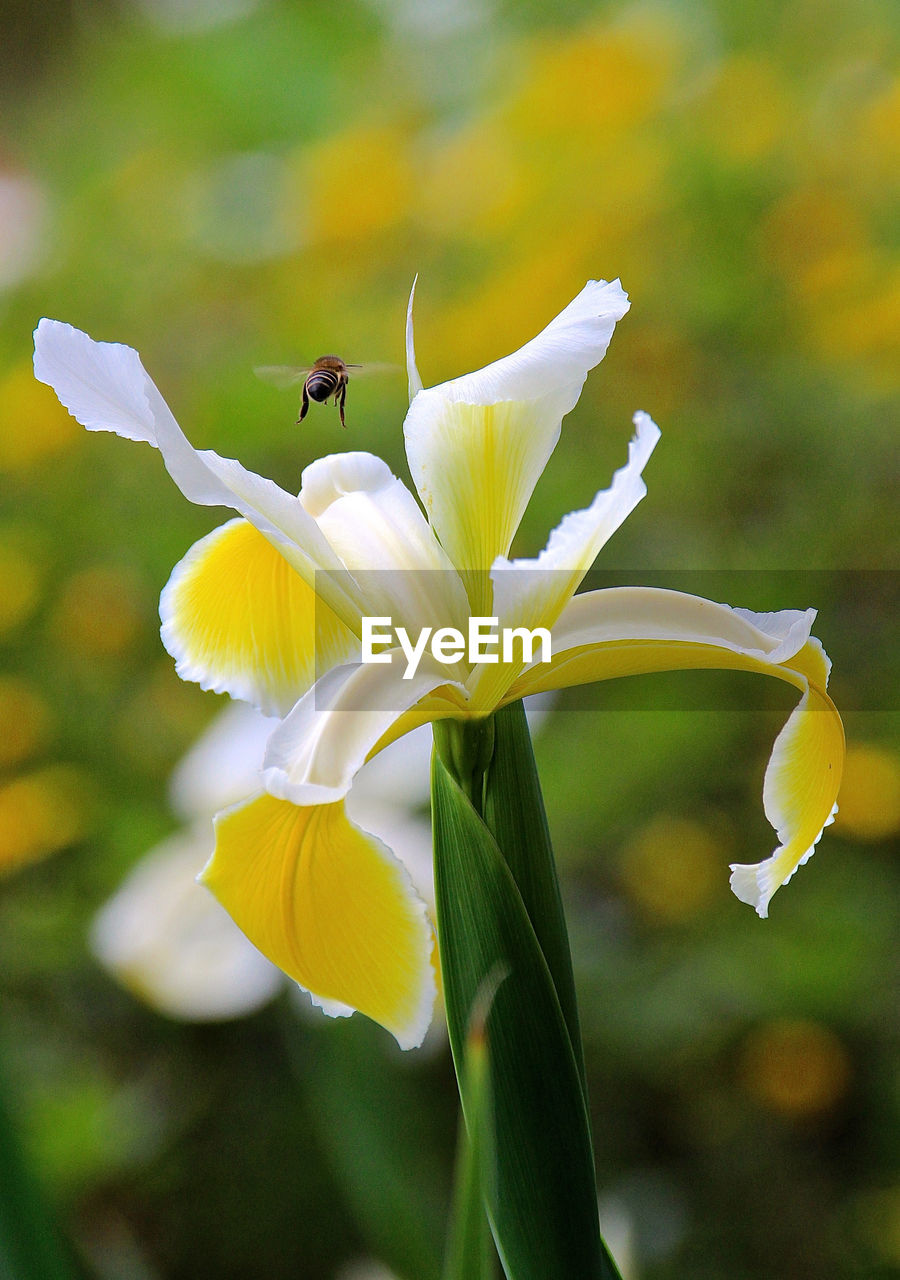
(327, 377)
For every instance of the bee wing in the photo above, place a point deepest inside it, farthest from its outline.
(363, 370)
(281, 375)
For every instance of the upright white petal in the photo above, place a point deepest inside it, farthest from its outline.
(477, 445)
(533, 592)
(376, 527)
(561, 355)
(415, 382)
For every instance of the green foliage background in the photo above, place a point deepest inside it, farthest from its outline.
(224, 185)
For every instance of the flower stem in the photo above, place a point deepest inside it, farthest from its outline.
(538, 1181)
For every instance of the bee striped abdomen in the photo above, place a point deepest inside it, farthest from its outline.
(321, 384)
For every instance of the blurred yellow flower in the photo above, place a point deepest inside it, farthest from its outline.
(357, 183)
(42, 813)
(474, 183)
(34, 426)
(20, 583)
(746, 109)
(794, 1067)
(99, 612)
(25, 721)
(670, 867)
(869, 799)
(599, 80)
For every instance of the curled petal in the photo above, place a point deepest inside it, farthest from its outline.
(634, 630)
(331, 906)
(237, 619)
(533, 593)
(477, 445)
(313, 755)
(800, 791)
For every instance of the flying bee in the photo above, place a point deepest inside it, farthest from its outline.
(327, 377)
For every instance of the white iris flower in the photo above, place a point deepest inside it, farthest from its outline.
(269, 609)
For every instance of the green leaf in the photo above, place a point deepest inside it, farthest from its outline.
(30, 1248)
(541, 1194)
(470, 1247)
(514, 812)
(364, 1109)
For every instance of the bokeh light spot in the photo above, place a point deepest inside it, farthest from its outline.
(869, 799)
(746, 109)
(35, 425)
(24, 721)
(42, 813)
(671, 868)
(795, 1068)
(20, 585)
(360, 182)
(100, 612)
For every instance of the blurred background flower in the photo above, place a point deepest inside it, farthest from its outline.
(241, 182)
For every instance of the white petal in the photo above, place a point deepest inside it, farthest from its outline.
(639, 614)
(316, 751)
(102, 384)
(105, 386)
(633, 630)
(223, 765)
(169, 942)
(533, 592)
(561, 355)
(374, 524)
(477, 445)
(415, 382)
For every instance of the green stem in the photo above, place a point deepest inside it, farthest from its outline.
(539, 1185)
(514, 812)
(470, 1247)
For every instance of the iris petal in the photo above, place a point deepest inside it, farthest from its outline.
(477, 445)
(376, 527)
(634, 630)
(237, 619)
(533, 593)
(313, 755)
(105, 386)
(331, 906)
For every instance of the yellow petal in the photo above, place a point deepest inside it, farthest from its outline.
(238, 619)
(802, 781)
(635, 630)
(331, 906)
(478, 444)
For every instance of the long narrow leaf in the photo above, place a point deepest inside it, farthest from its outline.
(30, 1248)
(470, 1247)
(542, 1198)
(364, 1112)
(514, 812)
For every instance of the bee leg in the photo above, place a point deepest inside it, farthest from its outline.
(304, 405)
(341, 400)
